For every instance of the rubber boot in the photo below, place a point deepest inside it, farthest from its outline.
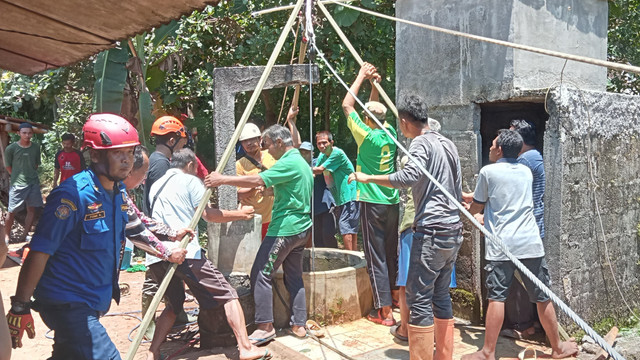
(421, 342)
(443, 338)
(146, 301)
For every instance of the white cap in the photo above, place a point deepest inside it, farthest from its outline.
(249, 131)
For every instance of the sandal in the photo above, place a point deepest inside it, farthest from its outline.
(378, 319)
(314, 329)
(262, 341)
(523, 354)
(394, 332)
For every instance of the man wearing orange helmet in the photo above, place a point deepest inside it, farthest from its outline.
(170, 135)
(73, 264)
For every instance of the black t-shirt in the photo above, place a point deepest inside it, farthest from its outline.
(158, 166)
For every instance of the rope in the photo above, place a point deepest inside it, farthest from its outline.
(293, 56)
(583, 59)
(356, 56)
(497, 242)
(220, 167)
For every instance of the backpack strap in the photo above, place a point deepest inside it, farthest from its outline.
(157, 194)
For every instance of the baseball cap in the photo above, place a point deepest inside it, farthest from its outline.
(306, 146)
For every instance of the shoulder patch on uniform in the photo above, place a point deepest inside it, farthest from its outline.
(63, 211)
(124, 207)
(69, 203)
(94, 216)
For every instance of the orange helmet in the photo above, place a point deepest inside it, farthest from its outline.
(167, 125)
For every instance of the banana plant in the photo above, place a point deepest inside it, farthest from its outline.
(114, 65)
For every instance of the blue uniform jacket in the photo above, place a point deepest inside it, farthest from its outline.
(82, 228)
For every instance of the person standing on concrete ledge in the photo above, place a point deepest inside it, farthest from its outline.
(503, 191)
(379, 209)
(288, 232)
(438, 230)
(334, 164)
(175, 197)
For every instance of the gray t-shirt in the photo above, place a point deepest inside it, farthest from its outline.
(439, 156)
(505, 189)
(176, 205)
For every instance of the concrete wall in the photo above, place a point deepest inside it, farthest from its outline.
(455, 75)
(462, 71)
(591, 149)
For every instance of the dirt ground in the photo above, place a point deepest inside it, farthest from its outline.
(118, 326)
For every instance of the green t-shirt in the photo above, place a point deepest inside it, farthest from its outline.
(292, 182)
(337, 168)
(24, 163)
(376, 156)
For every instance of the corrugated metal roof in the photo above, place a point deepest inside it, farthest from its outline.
(37, 35)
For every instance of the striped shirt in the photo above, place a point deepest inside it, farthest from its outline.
(533, 160)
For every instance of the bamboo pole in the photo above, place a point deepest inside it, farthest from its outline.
(301, 56)
(354, 53)
(286, 7)
(221, 165)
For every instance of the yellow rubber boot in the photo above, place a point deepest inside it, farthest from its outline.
(421, 342)
(444, 338)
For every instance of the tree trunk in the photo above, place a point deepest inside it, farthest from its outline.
(327, 107)
(270, 117)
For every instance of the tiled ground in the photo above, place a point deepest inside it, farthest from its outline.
(362, 339)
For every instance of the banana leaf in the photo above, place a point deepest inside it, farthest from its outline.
(111, 74)
(145, 108)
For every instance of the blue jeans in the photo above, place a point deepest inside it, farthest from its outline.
(78, 332)
(433, 254)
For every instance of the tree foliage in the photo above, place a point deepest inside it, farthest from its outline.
(179, 59)
(624, 44)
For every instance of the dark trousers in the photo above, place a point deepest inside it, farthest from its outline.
(274, 252)
(324, 230)
(380, 240)
(78, 332)
(433, 255)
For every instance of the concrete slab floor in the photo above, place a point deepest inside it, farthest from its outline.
(361, 339)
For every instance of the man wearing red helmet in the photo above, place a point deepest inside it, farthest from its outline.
(73, 264)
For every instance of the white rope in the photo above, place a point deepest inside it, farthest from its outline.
(497, 242)
(583, 59)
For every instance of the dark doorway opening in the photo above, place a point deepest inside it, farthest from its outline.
(521, 315)
(496, 116)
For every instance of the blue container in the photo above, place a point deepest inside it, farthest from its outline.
(126, 259)
(453, 283)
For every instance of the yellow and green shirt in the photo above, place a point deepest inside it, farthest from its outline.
(376, 156)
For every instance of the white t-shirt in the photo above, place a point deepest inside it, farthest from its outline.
(175, 206)
(505, 189)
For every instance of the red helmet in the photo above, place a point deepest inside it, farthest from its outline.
(166, 125)
(109, 131)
